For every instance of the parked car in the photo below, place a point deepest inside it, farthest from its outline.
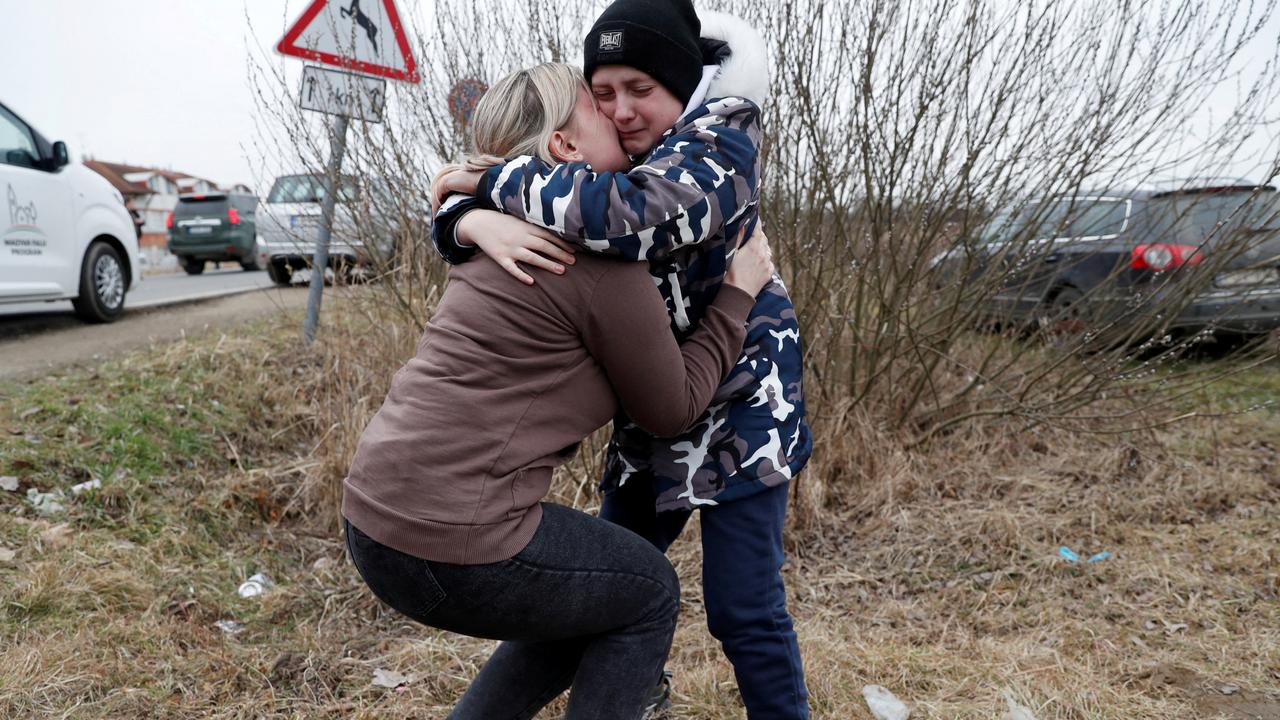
(65, 233)
(214, 227)
(289, 223)
(1114, 258)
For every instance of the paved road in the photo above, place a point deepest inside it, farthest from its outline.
(153, 291)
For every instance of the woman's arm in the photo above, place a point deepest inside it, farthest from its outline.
(698, 182)
(662, 385)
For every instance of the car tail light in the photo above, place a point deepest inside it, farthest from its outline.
(168, 221)
(233, 216)
(1160, 256)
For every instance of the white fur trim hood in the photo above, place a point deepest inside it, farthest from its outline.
(746, 73)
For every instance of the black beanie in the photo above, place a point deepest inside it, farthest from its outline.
(659, 37)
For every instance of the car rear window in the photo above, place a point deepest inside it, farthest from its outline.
(1267, 216)
(209, 205)
(307, 189)
(1194, 218)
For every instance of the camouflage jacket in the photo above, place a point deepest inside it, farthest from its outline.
(680, 211)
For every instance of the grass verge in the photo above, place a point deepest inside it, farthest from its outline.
(933, 572)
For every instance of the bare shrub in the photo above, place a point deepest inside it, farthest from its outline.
(902, 138)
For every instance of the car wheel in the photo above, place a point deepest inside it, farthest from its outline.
(1061, 320)
(279, 273)
(251, 264)
(346, 271)
(193, 267)
(102, 284)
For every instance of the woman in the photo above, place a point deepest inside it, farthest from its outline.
(442, 502)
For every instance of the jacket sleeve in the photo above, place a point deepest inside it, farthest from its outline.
(662, 385)
(698, 182)
(444, 228)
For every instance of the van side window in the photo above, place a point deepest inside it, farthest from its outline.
(1095, 218)
(17, 147)
(1043, 220)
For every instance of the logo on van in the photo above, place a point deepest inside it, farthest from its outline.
(611, 40)
(20, 214)
(22, 237)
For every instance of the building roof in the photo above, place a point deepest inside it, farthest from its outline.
(115, 172)
(131, 180)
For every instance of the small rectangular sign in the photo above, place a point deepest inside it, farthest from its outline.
(342, 93)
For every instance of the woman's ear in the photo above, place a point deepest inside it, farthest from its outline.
(562, 147)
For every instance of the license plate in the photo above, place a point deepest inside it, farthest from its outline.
(1243, 278)
(303, 222)
(199, 230)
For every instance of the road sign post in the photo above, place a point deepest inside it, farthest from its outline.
(367, 40)
(320, 257)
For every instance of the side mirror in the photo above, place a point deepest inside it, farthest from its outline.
(61, 156)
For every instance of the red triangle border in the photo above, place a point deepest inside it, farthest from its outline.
(287, 46)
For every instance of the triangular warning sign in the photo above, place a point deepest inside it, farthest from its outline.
(361, 35)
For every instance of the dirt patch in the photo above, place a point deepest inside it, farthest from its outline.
(36, 345)
(1214, 699)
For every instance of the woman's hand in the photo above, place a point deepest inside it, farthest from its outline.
(509, 241)
(451, 181)
(752, 265)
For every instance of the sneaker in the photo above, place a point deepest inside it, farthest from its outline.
(659, 701)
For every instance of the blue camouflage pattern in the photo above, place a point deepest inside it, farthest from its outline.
(681, 211)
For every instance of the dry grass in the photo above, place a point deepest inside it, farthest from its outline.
(932, 572)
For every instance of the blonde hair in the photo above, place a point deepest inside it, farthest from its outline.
(518, 115)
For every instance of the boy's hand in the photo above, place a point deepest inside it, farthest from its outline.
(510, 241)
(752, 266)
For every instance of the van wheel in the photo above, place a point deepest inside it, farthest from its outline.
(193, 267)
(251, 264)
(102, 285)
(279, 273)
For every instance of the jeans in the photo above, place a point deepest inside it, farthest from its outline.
(585, 605)
(742, 588)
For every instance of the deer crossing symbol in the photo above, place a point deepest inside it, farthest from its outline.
(363, 21)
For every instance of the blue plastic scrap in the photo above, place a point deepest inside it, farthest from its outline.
(1070, 556)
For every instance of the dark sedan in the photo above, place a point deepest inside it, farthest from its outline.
(1196, 257)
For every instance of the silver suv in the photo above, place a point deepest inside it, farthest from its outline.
(289, 222)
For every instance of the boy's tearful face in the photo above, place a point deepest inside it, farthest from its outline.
(641, 108)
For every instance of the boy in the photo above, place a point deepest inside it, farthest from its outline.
(676, 95)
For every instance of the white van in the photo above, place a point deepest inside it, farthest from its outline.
(64, 231)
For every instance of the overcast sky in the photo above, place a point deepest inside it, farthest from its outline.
(149, 82)
(165, 82)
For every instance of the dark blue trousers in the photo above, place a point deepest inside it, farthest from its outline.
(742, 588)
